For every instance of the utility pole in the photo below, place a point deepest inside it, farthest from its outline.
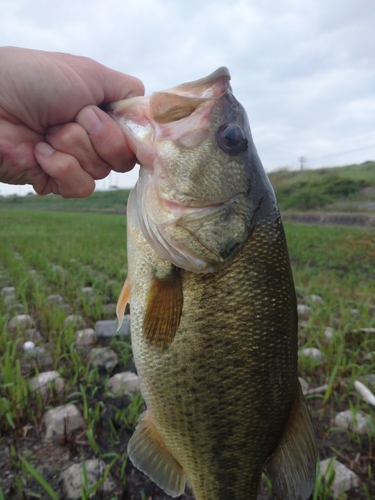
(302, 160)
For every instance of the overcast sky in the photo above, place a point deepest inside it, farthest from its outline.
(303, 69)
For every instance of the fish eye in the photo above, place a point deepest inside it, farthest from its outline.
(232, 139)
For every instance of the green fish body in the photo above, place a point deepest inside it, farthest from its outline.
(213, 308)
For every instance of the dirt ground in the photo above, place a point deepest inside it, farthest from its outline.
(52, 458)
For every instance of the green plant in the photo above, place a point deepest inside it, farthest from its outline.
(323, 483)
(38, 477)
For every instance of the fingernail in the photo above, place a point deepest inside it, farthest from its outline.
(89, 120)
(44, 149)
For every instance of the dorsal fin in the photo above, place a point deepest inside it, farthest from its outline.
(163, 308)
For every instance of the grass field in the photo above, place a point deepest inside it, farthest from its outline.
(49, 253)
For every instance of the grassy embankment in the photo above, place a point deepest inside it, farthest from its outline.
(100, 201)
(343, 189)
(49, 253)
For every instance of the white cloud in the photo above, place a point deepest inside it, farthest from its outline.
(303, 69)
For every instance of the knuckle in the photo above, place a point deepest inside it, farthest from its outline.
(65, 164)
(66, 137)
(111, 145)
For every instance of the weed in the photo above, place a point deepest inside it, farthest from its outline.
(323, 483)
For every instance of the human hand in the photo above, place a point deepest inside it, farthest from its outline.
(53, 135)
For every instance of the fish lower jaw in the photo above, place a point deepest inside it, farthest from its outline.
(175, 252)
(178, 255)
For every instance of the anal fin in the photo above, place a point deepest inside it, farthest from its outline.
(149, 454)
(292, 467)
(164, 307)
(122, 302)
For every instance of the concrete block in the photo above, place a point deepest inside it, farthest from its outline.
(58, 269)
(316, 299)
(75, 320)
(62, 419)
(312, 352)
(86, 337)
(73, 478)
(345, 479)
(329, 333)
(9, 299)
(304, 312)
(39, 357)
(104, 357)
(21, 321)
(121, 383)
(46, 383)
(108, 328)
(55, 299)
(358, 422)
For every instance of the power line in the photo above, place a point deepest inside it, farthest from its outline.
(343, 153)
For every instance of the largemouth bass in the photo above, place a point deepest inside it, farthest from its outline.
(213, 307)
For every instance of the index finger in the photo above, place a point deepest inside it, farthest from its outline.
(107, 138)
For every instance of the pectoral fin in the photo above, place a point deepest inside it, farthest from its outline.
(149, 454)
(164, 307)
(291, 468)
(122, 302)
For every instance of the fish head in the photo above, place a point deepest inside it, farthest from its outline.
(201, 181)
